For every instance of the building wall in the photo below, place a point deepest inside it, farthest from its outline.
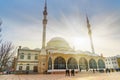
(33, 62)
(24, 65)
(118, 60)
(76, 56)
(111, 62)
(27, 61)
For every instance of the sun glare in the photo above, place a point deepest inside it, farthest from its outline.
(82, 43)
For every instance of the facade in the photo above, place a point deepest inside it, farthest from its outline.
(59, 57)
(27, 60)
(111, 62)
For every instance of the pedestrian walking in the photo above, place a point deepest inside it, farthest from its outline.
(93, 71)
(73, 72)
(68, 72)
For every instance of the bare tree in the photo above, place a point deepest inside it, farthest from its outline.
(6, 52)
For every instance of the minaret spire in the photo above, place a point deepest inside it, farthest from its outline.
(42, 64)
(90, 34)
(44, 25)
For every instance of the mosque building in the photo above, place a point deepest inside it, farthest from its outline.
(56, 56)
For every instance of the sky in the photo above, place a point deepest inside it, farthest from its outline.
(22, 23)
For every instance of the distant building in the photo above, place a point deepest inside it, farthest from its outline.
(111, 62)
(27, 60)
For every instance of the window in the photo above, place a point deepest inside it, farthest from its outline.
(20, 67)
(22, 56)
(28, 68)
(36, 56)
(29, 56)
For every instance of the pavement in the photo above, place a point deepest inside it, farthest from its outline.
(78, 76)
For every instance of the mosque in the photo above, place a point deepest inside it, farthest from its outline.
(56, 56)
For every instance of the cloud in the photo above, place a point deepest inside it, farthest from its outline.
(66, 19)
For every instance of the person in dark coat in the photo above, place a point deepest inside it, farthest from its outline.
(66, 72)
(72, 72)
(93, 71)
(109, 70)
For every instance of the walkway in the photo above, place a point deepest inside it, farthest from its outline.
(79, 76)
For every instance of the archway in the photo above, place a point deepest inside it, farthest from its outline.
(72, 63)
(59, 63)
(92, 64)
(83, 64)
(101, 64)
(49, 63)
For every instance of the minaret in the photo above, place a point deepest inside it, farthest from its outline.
(44, 25)
(42, 63)
(43, 50)
(90, 34)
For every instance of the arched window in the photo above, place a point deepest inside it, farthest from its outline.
(83, 64)
(101, 64)
(92, 64)
(59, 63)
(49, 63)
(72, 63)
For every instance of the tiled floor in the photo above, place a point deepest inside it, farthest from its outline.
(78, 76)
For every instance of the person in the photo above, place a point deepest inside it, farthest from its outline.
(109, 70)
(73, 72)
(68, 72)
(80, 69)
(86, 69)
(93, 71)
(106, 70)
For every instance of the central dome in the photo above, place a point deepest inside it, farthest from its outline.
(58, 43)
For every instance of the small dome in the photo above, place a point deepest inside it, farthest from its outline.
(25, 48)
(37, 49)
(58, 43)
